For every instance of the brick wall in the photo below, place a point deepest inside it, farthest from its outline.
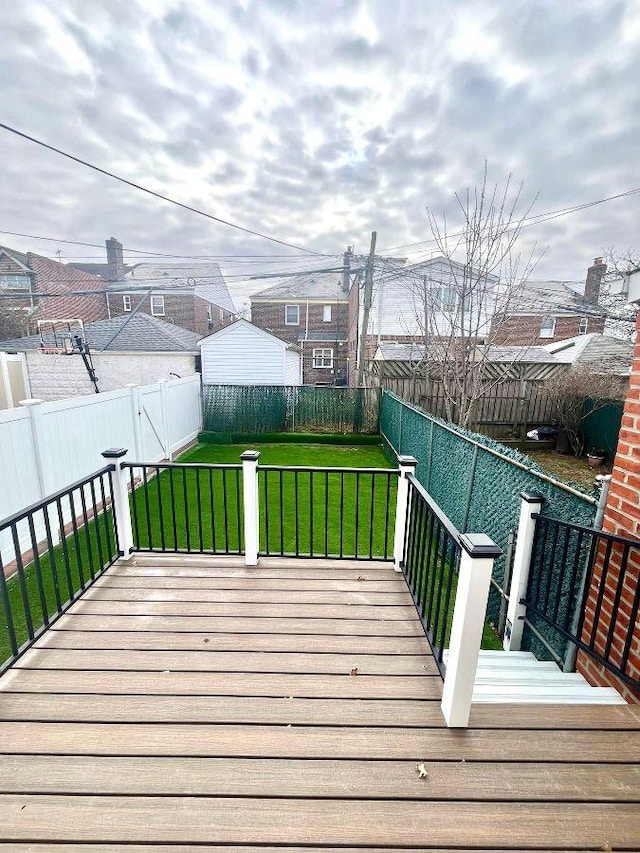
(181, 309)
(523, 331)
(622, 516)
(270, 317)
(53, 277)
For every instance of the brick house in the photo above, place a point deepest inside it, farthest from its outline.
(310, 310)
(27, 276)
(548, 311)
(616, 604)
(193, 296)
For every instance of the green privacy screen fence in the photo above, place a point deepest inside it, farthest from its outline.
(475, 480)
(290, 408)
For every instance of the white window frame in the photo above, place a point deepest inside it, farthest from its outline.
(222, 315)
(584, 325)
(154, 311)
(287, 322)
(126, 303)
(323, 358)
(209, 312)
(446, 305)
(326, 313)
(550, 331)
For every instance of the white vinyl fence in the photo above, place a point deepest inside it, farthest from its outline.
(45, 447)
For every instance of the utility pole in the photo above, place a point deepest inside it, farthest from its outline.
(366, 310)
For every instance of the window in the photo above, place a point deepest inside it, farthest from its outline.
(547, 327)
(126, 303)
(292, 315)
(323, 358)
(584, 325)
(157, 306)
(15, 282)
(445, 298)
(326, 313)
(222, 315)
(209, 312)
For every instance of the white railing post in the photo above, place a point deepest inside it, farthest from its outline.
(33, 407)
(166, 437)
(407, 466)
(531, 503)
(120, 499)
(469, 614)
(251, 508)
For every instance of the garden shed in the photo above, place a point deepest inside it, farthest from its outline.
(243, 354)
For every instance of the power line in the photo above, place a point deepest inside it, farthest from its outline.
(149, 252)
(153, 193)
(529, 220)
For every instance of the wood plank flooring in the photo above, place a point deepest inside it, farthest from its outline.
(192, 704)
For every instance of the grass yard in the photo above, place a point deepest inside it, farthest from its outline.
(569, 469)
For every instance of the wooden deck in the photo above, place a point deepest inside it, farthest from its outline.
(190, 703)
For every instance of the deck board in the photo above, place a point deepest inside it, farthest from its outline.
(189, 703)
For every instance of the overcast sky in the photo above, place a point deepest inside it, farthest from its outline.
(317, 121)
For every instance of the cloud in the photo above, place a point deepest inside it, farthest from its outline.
(317, 122)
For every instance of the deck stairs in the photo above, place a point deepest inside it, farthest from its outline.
(518, 677)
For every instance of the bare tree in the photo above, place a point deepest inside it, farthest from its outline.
(461, 304)
(576, 394)
(620, 322)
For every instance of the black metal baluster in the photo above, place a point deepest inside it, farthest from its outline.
(133, 500)
(387, 520)
(172, 492)
(8, 614)
(433, 567)
(326, 513)
(185, 495)
(311, 552)
(441, 581)
(96, 523)
(265, 475)
(297, 514)
(560, 586)
(633, 617)
(371, 514)
(357, 524)
(573, 592)
(601, 591)
(87, 532)
(447, 601)
(281, 514)
(226, 510)
(539, 549)
(52, 559)
(214, 546)
(147, 507)
(163, 544)
(65, 549)
(24, 594)
(110, 544)
(38, 569)
(550, 574)
(239, 513)
(196, 471)
(341, 527)
(76, 544)
(616, 600)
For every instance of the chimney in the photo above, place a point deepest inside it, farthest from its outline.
(115, 263)
(595, 274)
(346, 269)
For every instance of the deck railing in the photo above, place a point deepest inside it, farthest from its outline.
(583, 594)
(430, 564)
(57, 547)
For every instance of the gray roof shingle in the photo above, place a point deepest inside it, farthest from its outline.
(206, 280)
(326, 285)
(142, 333)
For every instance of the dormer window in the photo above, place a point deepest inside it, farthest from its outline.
(548, 327)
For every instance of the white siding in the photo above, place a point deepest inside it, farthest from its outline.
(292, 368)
(243, 356)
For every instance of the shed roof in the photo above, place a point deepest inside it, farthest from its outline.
(242, 323)
(612, 355)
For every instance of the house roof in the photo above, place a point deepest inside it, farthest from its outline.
(99, 269)
(20, 257)
(415, 352)
(550, 297)
(242, 323)
(206, 281)
(138, 333)
(603, 351)
(325, 285)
